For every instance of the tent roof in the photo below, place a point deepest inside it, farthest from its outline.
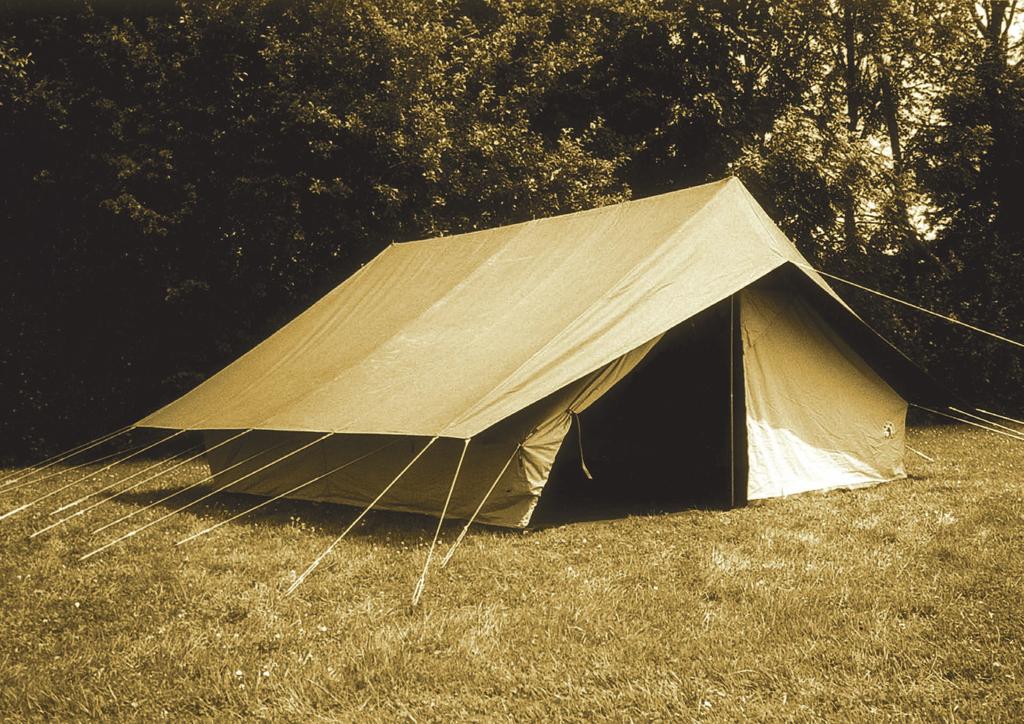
(448, 336)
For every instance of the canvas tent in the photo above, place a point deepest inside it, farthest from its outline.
(694, 299)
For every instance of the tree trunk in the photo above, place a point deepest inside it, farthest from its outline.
(850, 233)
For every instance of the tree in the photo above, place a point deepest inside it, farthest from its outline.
(972, 170)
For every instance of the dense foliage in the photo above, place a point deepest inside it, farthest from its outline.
(178, 183)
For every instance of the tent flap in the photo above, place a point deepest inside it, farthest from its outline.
(817, 416)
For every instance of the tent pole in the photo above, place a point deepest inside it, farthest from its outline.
(60, 457)
(327, 551)
(285, 494)
(738, 464)
(90, 475)
(188, 487)
(462, 533)
(201, 498)
(133, 486)
(732, 403)
(422, 582)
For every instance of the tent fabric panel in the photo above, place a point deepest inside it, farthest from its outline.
(483, 329)
(334, 334)
(449, 336)
(817, 416)
(421, 490)
(714, 255)
(428, 327)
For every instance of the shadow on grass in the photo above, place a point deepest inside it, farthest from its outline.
(400, 527)
(558, 513)
(332, 518)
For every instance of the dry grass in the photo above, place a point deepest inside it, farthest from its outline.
(901, 601)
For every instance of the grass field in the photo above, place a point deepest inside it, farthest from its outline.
(900, 601)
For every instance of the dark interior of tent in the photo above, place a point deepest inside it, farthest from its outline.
(662, 438)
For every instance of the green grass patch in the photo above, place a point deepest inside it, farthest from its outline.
(898, 601)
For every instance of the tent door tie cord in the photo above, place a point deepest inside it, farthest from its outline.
(422, 582)
(579, 440)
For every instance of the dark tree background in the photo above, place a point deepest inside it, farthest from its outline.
(180, 178)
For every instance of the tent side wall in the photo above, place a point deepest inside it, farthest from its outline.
(818, 417)
(421, 490)
(533, 436)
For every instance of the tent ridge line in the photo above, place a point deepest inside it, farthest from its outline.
(569, 214)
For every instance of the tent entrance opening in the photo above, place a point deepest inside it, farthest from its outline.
(662, 438)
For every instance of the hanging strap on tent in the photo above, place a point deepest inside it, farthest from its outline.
(462, 533)
(1001, 417)
(327, 551)
(73, 468)
(190, 486)
(41, 498)
(904, 302)
(985, 420)
(133, 486)
(285, 494)
(579, 440)
(422, 582)
(62, 456)
(204, 497)
(967, 422)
